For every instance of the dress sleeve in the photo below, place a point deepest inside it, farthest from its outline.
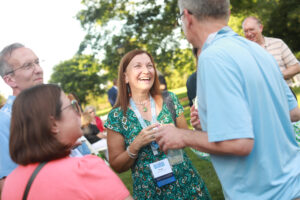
(99, 181)
(178, 107)
(113, 121)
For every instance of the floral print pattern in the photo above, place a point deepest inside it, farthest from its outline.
(188, 184)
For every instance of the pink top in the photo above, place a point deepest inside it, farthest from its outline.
(81, 178)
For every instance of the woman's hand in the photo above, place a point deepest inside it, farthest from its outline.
(195, 122)
(146, 136)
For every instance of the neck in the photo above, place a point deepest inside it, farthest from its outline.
(261, 41)
(206, 27)
(16, 92)
(140, 97)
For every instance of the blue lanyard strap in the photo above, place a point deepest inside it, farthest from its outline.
(138, 114)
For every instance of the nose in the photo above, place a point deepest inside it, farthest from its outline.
(37, 68)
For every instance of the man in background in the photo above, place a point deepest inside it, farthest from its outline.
(20, 69)
(112, 93)
(286, 60)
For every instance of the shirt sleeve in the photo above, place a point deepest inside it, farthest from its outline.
(287, 55)
(228, 116)
(113, 121)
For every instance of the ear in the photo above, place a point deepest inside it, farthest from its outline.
(54, 125)
(261, 27)
(9, 80)
(188, 17)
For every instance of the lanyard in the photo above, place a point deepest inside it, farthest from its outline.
(154, 145)
(138, 114)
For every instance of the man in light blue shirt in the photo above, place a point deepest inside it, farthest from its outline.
(20, 69)
(245, 108)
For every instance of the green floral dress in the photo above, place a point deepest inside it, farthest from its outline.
(188, 184)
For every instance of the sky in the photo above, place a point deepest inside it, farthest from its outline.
(48, 27)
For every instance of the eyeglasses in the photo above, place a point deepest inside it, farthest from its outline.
(27, 66)
(75, 106)
(179, 21)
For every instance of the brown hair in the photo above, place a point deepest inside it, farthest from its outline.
(123, 93)
(31, 138)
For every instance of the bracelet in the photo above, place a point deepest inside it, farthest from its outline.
(131, 155)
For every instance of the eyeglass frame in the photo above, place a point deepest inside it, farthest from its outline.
(26, 66)
(179, 21)
(75, 105)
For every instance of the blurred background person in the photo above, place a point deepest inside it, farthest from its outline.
(286, 60)
(139, 109)
(112, 93)
(46, 142)
(95, 119)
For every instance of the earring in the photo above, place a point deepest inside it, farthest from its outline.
(128, 90)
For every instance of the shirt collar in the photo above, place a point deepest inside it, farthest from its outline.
(225, 31)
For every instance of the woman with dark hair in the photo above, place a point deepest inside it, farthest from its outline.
(131, 125)
(45, 126)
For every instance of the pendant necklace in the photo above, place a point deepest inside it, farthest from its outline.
(144, 109)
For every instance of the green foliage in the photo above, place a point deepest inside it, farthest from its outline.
(2, 100)
(284, 23)
(80, 75)
(114, 25)
(143, 24)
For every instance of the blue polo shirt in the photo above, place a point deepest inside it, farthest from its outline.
(242, 94)
(6, 164)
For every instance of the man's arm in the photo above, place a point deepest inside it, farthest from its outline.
(170, 137)
(1, 185)
(291, 71)
(295, 114)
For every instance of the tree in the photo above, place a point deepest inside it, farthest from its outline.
(79, 75)
(150, 25)
(145, 24)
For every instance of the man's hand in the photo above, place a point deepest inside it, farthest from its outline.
(170, 137)
(195, 122)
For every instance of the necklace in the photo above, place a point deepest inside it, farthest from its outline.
(145, 109)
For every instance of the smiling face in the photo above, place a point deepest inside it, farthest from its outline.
(69, 124)
(24, 77)
(140, 73)
(253, 30)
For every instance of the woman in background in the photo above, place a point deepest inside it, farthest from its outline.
(45, 126)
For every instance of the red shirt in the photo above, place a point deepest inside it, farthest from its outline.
(99, 124)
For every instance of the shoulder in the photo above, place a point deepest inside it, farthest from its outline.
(115, 113)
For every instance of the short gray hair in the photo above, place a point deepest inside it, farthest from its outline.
(254, 18)
(202, 9)
(89, 107)
(4, 55)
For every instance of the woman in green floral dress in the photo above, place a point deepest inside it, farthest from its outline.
(129, 143)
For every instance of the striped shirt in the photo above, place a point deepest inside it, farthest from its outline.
(281, 52)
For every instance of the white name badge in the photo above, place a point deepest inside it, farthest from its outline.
(162, 172)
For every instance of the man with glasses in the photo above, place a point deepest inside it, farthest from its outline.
(245, 108)
(20, 69)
